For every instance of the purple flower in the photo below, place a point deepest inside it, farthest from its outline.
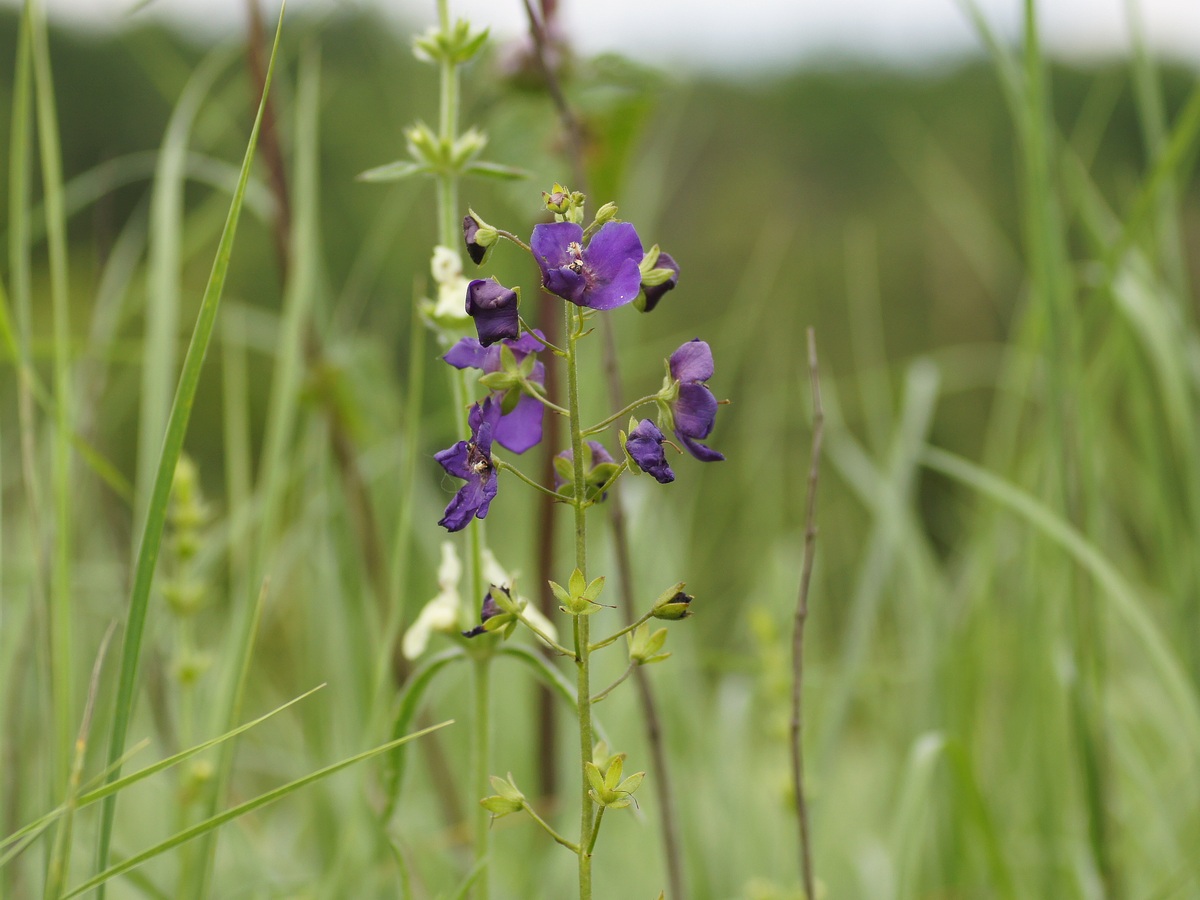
(654, 293)
(598, 468)
(521, 427)
(489, 610)
(645, 447)
(694, 409)
(472, 461)
(603, 275)
(494, 309)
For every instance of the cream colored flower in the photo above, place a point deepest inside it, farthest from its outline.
(440, 613)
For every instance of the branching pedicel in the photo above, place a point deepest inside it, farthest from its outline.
(593, 269)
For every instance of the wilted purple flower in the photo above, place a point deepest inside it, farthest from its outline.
(598, 467)
(654, 293)
(695, 408)
(644, 444)
(521, 427)
(489, 610)
(603, 275)
(494, 309)
(472, 461)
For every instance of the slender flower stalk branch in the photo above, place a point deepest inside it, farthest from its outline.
(529, 329)
(621, 414)
(596, 698)
(595, 831)
(549, 404)
(570, 845)
(509, 236)
(545, 638)
(612, 638)
(509, 467)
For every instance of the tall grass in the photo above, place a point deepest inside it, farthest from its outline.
(1002, 661)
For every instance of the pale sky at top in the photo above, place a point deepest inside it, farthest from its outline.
(702, 34)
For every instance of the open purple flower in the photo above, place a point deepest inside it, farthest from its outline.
(694, 409)
(603, 275)
(644, 444)
(472, 461)
(521, 427)
(654, 292)
(494, 309)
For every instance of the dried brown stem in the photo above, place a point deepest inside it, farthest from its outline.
(810, 546)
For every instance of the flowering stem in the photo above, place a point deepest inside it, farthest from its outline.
(570, 845)
(501, 464)
(608, 690)
(448, 236)
(616, 634)
(573, 329)
(600, 426)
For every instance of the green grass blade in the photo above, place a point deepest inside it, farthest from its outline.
(61, 653)
(410, 703)
(165, 274)
(1125, 603)
(241, 809)
(172, 447)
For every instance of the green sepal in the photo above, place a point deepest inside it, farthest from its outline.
(655, 277)
(644, 646)
(649, 261)
(595, 778)
(500, 807)
(468, 145)
(561, 594)
(504, 599)
(592, 592)
(565, 470)
(497, 381)
(577, 584)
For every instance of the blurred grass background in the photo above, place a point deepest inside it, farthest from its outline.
(1004, 662)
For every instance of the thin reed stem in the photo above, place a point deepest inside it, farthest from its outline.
(810, 546)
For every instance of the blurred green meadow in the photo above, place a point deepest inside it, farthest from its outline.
(1002, 682)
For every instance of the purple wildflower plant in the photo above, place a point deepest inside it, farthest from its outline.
(494, 309)
(520, 423)
(691, 407)
(644, 447)
(604, 274)
(472, 461)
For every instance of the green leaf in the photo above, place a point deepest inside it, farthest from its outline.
(241, 809)
(496, 171)
(394, 171)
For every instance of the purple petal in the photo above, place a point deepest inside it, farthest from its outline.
(701, 452)
(550, 244)
(566, 283)
(695, 411)
(645, 446)
(612, 246)
(471, 501)
(623, 288)
(454, 460)
(521, 428)
(483, 420)
(468, 353)
(693, 361)
(527, 343)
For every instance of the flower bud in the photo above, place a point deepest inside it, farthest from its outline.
(673, 604)
(479, 236)
(644, 646)
(507, 799)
